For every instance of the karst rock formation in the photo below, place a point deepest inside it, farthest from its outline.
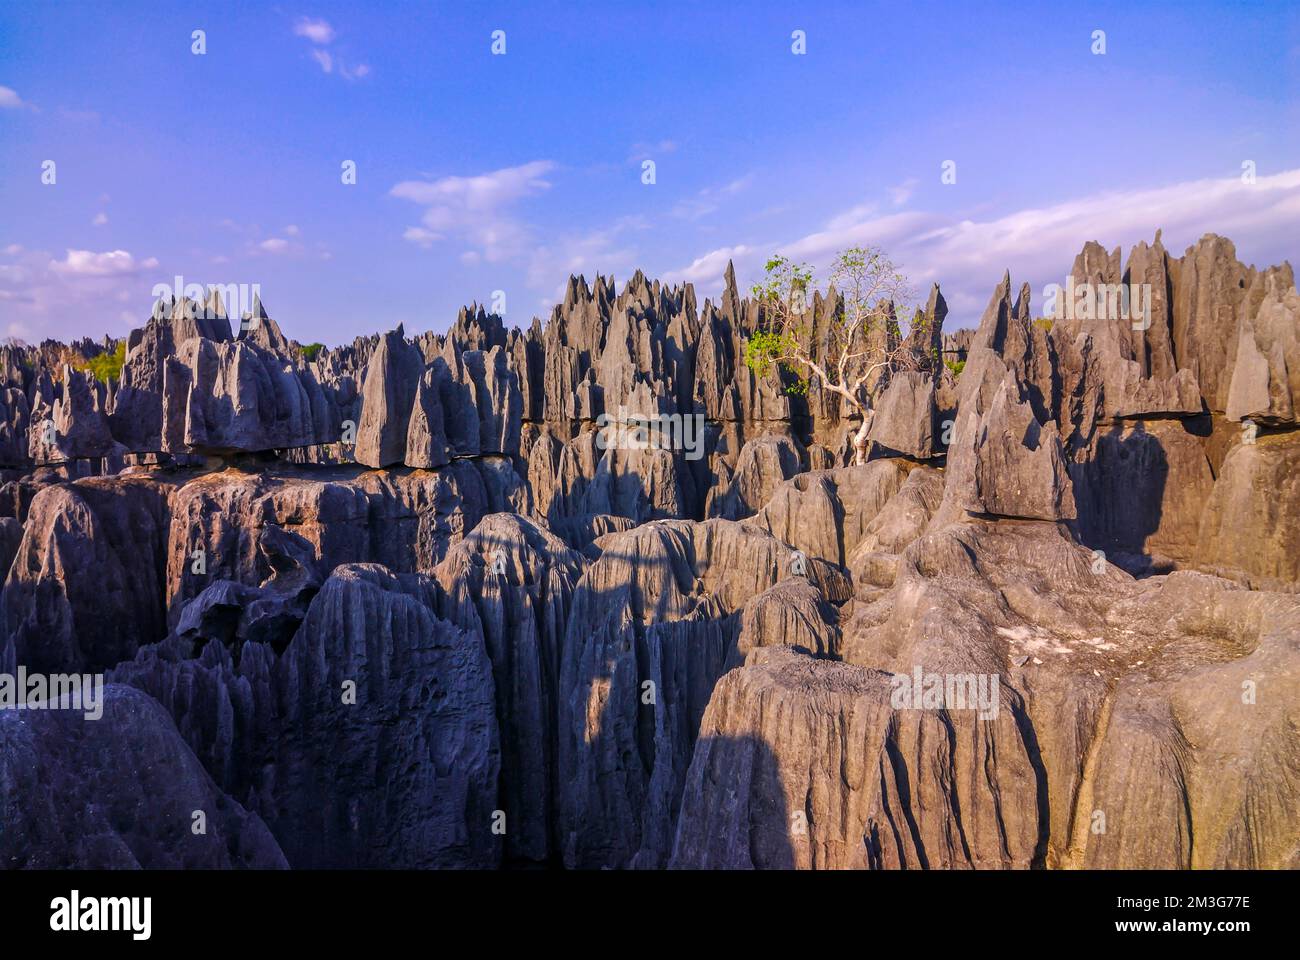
(403, 603)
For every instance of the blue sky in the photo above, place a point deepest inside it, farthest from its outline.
(478, 173)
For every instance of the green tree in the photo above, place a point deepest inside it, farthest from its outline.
(106, 366)
(855, 353)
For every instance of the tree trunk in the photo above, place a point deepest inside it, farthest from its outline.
(860, 442)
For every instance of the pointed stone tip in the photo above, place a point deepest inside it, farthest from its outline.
(213, 305)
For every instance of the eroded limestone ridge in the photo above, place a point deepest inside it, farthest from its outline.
(404, 602)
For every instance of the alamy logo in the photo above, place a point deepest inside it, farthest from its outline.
(212, 301)
(946, 691)
(57, 691)
(663, 431)
(1099, 301)
(98, 914)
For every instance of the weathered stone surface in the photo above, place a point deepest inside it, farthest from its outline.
(11, 536)
(403, 775)
(405, 520)
(764, 463)
(647, 483)
(792, 613)
(1211, 285)
(517, 582)
(1104, 686)
(257, 327)
(138, 419)
(228, 397)
(904, 420)
(426, 435)
(1020, 469)
(15, 421)
(1140, 489)
(873, 561)
(86, 587)
(117, 792)
(654, 623)
(387, 398)
(824, 513)
(80, 428)
(830, 776)
(1250, 526)
(1265, 383)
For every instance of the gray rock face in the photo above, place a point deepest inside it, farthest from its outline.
(84, 589)
(905, 413)
(372, 740)
(388, 753)
(809, 763)
(1020, 469)
(1140, 489)
(826, 512)
(654, 623)
(499, 404)
(515, 583)
(1209, 292)
(74, 427)
(387, 398)
(138, 419)
(232, 613)
(258, 328)
(1265, 384)
(873, 562)
(15, 421)
(117, 792)
(793, 613)
(1135, 346)
(764, 463)
(229, 397)
(405, 520)
(11, 535)
(640, 484)
(426, 435)
(1250, 526)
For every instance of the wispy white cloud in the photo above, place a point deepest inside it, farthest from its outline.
(708, 271)
(87, 263)
(710, 199)
(901, 193)
(9, 100)
(328, 58)
(475, 210)
(317, 31)
(44, 295)
(101, 218)
(649, 151)
(420, 236)
(608, 250)
(1037, 244)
